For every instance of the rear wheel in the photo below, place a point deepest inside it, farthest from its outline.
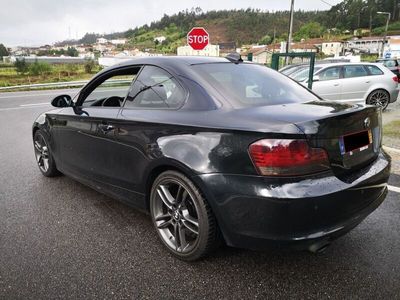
(182, 217)
(43, 155)
(379, 98)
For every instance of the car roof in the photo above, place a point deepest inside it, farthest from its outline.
(170, 60)
(176, 64)
(347, 64)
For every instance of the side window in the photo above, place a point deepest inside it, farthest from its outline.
(112, 90)
(354, 71)
(374, 70)
(155, 88)
(389, 63)
(330, 74)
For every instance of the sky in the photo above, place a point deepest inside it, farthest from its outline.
(39, 22)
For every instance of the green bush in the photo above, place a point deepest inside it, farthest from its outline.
(90, 66)
(21, 66)
(39, 68)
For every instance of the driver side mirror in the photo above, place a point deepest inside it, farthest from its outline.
(315, 78)
(62, 101)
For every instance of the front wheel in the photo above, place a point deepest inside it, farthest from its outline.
(182, 217)
(43, 155)
(379, 98)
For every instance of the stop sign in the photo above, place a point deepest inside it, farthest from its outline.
(198, 38)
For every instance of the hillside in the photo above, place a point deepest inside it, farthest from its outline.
(248, 26)
(239, 26)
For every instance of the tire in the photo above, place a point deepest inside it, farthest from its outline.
(43, 155)
(182, 217)
(379, 98)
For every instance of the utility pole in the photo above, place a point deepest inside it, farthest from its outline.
(289, 41)
(386, 28)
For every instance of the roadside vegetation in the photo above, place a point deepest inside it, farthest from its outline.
(392, 129)
(21, 73)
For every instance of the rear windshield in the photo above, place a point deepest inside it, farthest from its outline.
(246, 85)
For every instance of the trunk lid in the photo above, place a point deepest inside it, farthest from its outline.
(351, 134)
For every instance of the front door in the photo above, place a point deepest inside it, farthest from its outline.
(329, 84)
(86, 132)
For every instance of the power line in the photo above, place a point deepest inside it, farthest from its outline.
(326, 2)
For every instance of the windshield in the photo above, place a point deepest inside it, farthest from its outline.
(245, 85)
(291, 70)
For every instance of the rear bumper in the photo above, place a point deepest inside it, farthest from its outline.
(255, 212)
(394, 95)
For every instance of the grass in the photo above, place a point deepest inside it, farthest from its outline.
(58, 73)
(392, 129)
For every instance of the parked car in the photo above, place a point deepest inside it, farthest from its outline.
(366, 83)
(392, 64)
(216, 149)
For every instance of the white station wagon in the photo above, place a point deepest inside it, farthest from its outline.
(368, 83)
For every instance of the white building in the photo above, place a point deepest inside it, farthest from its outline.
(118, 42)
(371, 45)
(392, 48)
(209, 50)
(101, 41)
(160, 39)
(332, 48)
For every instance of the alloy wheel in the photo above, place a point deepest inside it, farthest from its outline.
(379, 98)
(175, 215)
(41, 153)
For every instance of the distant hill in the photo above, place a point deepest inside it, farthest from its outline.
(240, 26)
(246, 26)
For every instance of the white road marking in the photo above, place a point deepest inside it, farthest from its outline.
(28, 95)
(35, 104)
(22, 107)
(394, 188)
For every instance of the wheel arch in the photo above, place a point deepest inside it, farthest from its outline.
(156, 170)
(374, 89)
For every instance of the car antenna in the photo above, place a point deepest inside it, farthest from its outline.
(234, 57)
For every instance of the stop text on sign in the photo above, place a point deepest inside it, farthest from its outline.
(198, 38)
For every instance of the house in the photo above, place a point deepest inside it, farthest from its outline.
(227, 47)
(370, 45)
(118, 42)
(258, 54)
(303, 47)
(392, 48)
(101, 41)
(160, 39)
(332, 48)
(209, 50)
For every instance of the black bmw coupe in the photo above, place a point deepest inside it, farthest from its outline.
(218, 150)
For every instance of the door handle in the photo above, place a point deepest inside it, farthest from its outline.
(106, 128)
(368, 81)
(336, 84)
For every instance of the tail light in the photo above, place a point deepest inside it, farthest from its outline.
(287, 158)
(396, 79)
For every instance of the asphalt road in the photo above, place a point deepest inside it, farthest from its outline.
(60, 239)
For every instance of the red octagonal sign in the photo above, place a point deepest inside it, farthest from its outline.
(198, 38)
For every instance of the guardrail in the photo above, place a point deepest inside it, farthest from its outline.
(58, 84)
(45, 85)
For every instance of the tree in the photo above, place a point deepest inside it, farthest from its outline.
(310, 30)
(3, 51)
(71, 51)
(265, 40)
(21, 66)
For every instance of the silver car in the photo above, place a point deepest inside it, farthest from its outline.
(368, 83)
